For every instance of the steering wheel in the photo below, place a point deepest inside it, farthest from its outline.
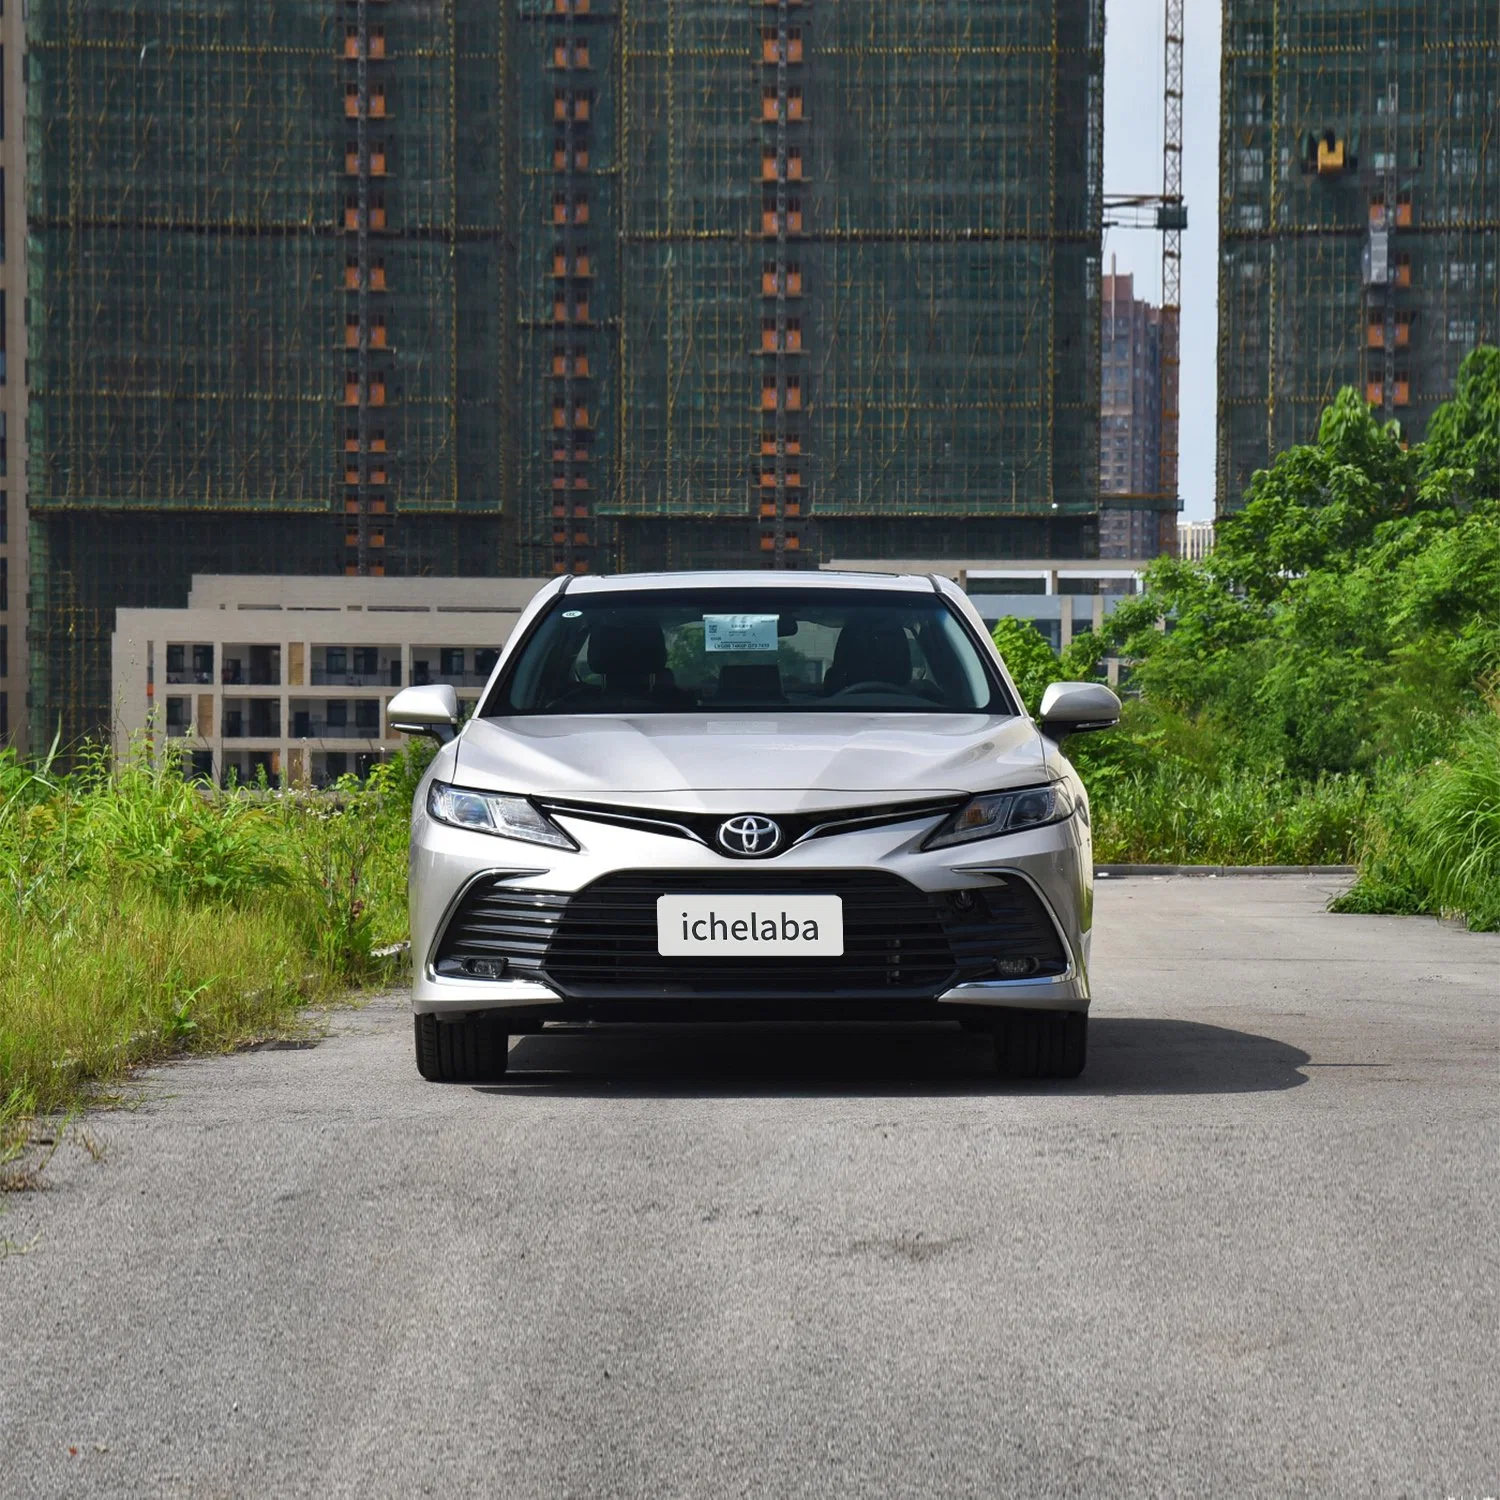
(870, 687)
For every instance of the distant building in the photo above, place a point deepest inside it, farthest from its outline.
(1130, 424)
(571, 285)
(290, 677)
(13, 559)
(1130, 390)
(1195, 539)
(1360, 192)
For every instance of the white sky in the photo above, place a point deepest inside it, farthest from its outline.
(1132, 164)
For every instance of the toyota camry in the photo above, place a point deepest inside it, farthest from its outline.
(712, 797)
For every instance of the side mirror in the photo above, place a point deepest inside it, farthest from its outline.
(1074, 707)
(430, 710)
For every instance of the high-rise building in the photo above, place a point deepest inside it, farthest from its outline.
(1130, 422)
(13, 664)
(270, 305)
(1359, 213)
(807, 279)
(547, 285)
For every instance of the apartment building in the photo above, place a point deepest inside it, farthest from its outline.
(1360, 194)
(289, 678)
(389, 287)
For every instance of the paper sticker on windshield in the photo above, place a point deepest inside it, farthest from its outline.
(739, 632)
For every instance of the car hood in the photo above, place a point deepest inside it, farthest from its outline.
(812, 759)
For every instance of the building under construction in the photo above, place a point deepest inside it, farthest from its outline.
(505, 286)
(1359, 213)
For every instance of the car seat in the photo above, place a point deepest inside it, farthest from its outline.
(878, 652)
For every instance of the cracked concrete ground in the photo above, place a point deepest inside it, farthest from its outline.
(1253, 1251)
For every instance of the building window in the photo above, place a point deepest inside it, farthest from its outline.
(4, 650)
(4, 583)
(451, 661)
(4, 516)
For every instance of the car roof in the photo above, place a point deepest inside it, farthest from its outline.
(905, 583)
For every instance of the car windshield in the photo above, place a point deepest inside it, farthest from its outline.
(665, 651)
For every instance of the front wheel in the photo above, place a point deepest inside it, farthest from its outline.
(467, 1051)
(1041, 1044)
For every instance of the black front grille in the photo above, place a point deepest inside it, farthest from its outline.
(894, 942)
(899, 942)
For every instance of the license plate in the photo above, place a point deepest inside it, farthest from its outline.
(750, 926)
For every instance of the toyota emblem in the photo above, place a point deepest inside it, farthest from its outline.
(750, 835)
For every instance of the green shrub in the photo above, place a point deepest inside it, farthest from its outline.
(141, 915)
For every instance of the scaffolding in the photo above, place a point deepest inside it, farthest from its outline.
(492, 286)
(1359, 210)
(269, 304)
(842, 279)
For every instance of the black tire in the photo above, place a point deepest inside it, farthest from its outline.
(468, 1051)
(1041, 1044)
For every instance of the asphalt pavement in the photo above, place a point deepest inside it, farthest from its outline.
(1252, 1251)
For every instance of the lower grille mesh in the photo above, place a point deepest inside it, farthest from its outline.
(600, 943)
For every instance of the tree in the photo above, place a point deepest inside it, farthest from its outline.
(1027, 656)
(1350, 614)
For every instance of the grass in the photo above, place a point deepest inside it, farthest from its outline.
(1173, 813)
(141, 916)
(1431, 842)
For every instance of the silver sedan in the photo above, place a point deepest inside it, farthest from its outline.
(748, 796)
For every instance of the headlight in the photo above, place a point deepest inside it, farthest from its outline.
(1004, 812)
(493, 812)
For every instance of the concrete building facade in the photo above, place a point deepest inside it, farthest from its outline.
(290, 677)
(1195, 540)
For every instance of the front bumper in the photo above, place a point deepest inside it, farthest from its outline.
(1054, 862)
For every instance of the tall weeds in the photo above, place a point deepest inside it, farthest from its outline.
(1431, 841)
(1173, 813)
(141, 915)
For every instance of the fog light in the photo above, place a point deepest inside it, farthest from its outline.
(485, 968)
(1015, 968)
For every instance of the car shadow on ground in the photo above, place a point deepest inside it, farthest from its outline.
(1127, 1055)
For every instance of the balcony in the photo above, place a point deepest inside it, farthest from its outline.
(252, 665)
(178, 719)
(355, 666)
(463, 666)
(251, 719)
(334, 719)
(187, 663)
